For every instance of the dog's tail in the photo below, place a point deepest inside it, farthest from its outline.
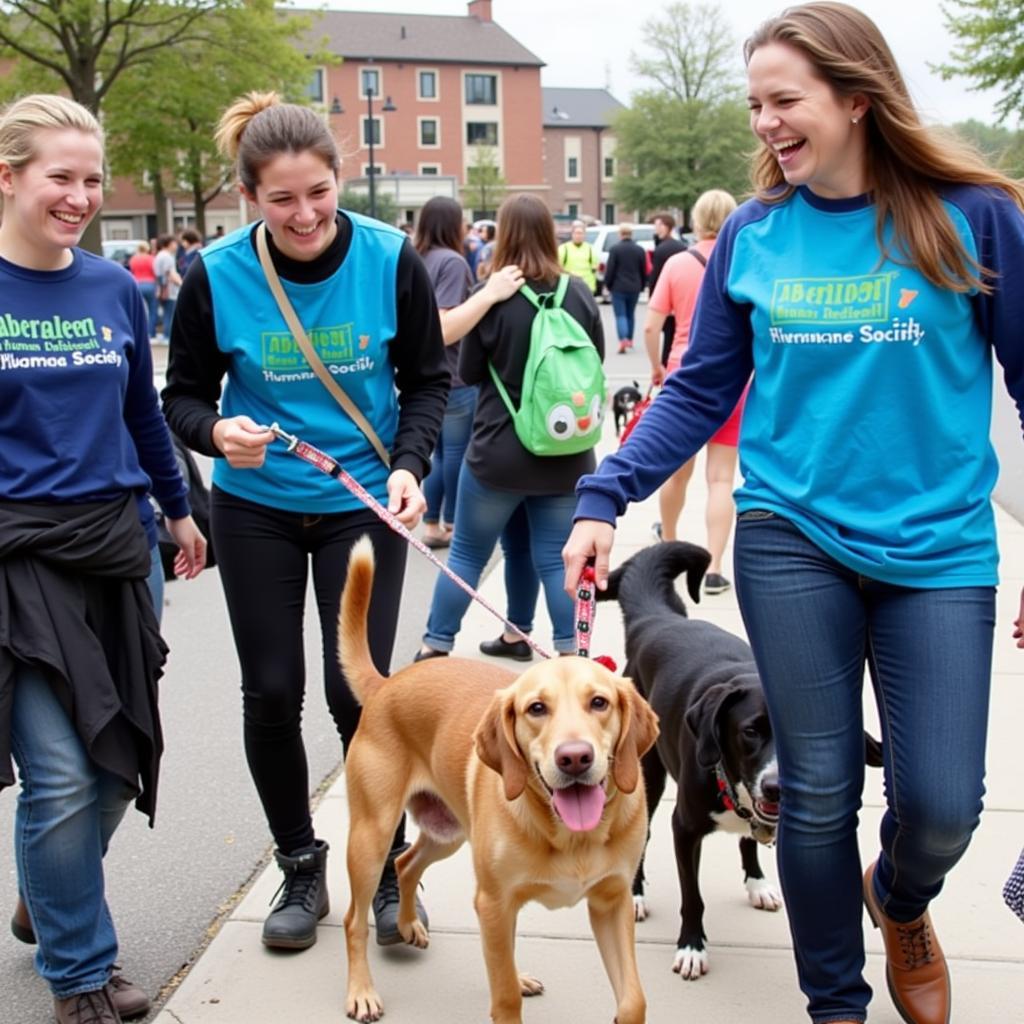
(648, 578)
(353, 646)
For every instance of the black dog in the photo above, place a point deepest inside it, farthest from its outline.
(624, 401)
(715, 739)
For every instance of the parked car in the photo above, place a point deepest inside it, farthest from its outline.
(120, 250)
(603, 236)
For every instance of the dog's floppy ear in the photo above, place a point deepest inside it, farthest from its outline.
(495, 741)
(638, 731)
(704, 721)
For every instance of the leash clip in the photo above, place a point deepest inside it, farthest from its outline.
(282, 435)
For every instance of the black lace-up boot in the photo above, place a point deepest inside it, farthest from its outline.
(303, 902)
(385, 903)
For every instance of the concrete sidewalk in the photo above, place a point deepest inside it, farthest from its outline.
(237, 981)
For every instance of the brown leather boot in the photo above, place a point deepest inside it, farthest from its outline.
(21, 924)
(915, 966)
(87, 1008)
(129, 999)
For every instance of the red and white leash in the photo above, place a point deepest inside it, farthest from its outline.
(326, 464)
(584, 594)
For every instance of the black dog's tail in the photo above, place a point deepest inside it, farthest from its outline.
(647, 580)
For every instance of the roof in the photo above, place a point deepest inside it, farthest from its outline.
(361, 35)
(579, 108)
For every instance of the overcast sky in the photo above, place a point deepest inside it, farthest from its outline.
(588, 43)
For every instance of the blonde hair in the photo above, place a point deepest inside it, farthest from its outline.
(710, 210)
(905, 159)
(22, 120)
(258, 126)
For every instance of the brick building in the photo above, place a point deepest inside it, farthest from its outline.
(579, 153)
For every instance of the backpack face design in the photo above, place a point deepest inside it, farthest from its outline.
(563, 394)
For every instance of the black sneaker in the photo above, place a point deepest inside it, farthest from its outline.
(716, 583)
(303, 902)
(385, 904)
(517, 650)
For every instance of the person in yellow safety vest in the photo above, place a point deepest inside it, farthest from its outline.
(578, 257)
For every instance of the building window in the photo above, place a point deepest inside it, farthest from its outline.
(374, 127)
(315, 88)
(482, 89)
(369, 82)
(428, 132)
(572, 169)
(427, 85)
(573, 210)
(481, 133)
(609, 167)
(609, 213)
(378, 170)
(430, 169)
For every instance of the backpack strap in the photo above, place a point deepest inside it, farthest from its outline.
(698, 256)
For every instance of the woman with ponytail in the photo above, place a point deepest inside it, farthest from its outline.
(365, 301)
(868, 286)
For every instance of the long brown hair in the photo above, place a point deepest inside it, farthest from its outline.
(439, 225)
(526, 237)
(906, 159)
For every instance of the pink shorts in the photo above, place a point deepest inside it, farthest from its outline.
(729, 432)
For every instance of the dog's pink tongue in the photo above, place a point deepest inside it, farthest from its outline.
(579, 806)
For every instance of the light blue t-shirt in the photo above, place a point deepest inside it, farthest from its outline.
(351, 319)
(867, 421)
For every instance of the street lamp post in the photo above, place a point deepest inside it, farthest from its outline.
(388, 108)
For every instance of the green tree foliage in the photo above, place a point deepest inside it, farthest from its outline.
(1002, 148)
(989, 50)
(161, 117)
(359, 202)
(692, 132)
(83, 46)
(485, 184)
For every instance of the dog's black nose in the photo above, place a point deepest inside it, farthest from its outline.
(770, 788)
(574, 757)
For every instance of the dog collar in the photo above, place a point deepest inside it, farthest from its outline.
(728, 796)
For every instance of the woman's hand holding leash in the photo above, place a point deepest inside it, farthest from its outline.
(405, 499)
(590, 538)
(243, 441)
(190, 560)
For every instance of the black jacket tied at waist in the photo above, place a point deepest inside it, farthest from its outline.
(74, 603)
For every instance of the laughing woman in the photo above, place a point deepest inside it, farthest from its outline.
(81, 442)
(867, 286)
(365, 301)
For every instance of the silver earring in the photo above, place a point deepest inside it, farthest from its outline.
(854, 120)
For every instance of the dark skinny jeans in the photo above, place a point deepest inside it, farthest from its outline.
(264, 555)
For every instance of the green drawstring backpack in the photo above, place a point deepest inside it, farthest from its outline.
(563, 394)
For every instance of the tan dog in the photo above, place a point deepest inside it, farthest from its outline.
(540, 776)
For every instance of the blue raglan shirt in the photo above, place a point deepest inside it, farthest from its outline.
(79, 415)
(867, 422)
(351, 319)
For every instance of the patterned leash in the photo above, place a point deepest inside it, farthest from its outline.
(322, 461)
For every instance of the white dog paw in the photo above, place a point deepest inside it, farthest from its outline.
(640, 911)
(691, 964)
(762, 894)
(530, 986)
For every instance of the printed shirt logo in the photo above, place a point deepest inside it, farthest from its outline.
(56, 342)
(841, 310)
(282, 359)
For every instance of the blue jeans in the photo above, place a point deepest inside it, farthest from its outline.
(167, 307)
(148, 290)
(67, 810)
(442, 483)
(481, 513)
(813, 624)
(624, 308)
